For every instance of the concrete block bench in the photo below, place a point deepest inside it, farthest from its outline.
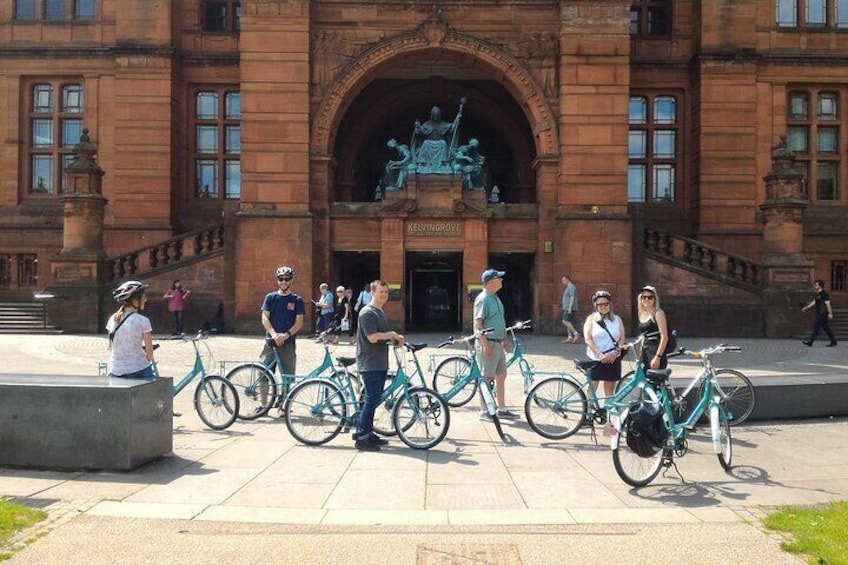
(84, 422)
(795, 396)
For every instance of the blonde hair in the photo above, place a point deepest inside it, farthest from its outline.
(652, 290)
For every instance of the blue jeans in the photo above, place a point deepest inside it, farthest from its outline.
(374, 382)
(145, 374)
(178, 321)
(324, 322)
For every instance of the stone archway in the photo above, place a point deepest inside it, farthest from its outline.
(435, 34)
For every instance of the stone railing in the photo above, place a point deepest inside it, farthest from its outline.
(193, 244)
(704, 259)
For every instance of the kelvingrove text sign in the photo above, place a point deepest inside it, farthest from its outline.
(434, 228)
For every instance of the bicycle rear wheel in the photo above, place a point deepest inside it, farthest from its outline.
(216, 402)
(633, 469)
(556, 407)
(738, 397)
(448, 373)
(256, 389)
(421, 418)
(316, 410)
(725, 442)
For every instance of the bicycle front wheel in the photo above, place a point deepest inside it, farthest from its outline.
(633, 469)
(316, 410)
(255, 386)
(421, 418)
(737, 395)
(451, 371)
(216, 402)
(725, 442)
(556, 407)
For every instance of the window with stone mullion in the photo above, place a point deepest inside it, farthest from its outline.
(814, 134)
(811, 13)
(653, 149)
(55, 10)
(650, 18)
(54, 126)
(216, 146)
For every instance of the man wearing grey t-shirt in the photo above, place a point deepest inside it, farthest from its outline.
(372, 361)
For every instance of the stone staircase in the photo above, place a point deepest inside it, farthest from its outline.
(167, 255)
(24, 317)
(704, 260)
(839, 325)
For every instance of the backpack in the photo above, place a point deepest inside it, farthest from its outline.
(646, 432)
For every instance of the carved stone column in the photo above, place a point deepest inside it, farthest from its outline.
(77, 270)
(788, 273)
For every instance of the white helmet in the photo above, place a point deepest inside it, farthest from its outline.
(128, 290)
(601, 294)
(285, 271)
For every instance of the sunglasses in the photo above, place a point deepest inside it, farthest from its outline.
(602, 303)
(286, 279)
(647, 297)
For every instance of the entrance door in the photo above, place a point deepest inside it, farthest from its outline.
(517, 293)
(433, 281)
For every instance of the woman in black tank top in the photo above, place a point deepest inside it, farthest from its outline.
(652, 320)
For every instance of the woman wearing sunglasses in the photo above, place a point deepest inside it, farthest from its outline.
(604, 335)
(653, 323)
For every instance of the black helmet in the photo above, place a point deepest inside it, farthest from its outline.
(127, 291)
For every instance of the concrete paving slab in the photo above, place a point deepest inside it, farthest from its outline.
(480, 496)
(340, 517)
(511, 517)
(262, 515)
(121, 509)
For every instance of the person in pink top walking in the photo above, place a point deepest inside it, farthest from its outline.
(176, 304)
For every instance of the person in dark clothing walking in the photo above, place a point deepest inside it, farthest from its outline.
(824, 314)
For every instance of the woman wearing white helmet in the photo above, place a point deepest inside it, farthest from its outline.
(130, 334)
(604, 335)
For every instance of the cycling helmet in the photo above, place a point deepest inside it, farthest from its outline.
(285, 271)
(601, 294)
(649, 288)
(128, 291)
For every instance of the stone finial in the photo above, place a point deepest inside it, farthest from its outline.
(84, 156)
(782, 157)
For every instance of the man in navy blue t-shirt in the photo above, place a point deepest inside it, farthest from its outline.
(282, 318)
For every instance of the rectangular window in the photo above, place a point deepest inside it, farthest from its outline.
(217, 144)
(839, 276)
(220, 15)
(650, 18)
(842, 13)
(5, 269)
(84, 9)
(814, 137)
(27, 269)
(787, 13)
(54, 10)
(816, 13)
(653, 149)
(54, 130)
(25, 10)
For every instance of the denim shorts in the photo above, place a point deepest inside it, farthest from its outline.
(145, 374)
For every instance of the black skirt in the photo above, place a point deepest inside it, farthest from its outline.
(606, 371)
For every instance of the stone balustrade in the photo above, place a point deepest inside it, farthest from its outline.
(191, 244)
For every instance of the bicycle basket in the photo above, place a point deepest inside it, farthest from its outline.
(646, 432)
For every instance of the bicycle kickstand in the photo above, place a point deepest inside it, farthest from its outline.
(668, 465)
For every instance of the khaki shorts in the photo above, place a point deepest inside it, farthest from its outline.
(495, 364)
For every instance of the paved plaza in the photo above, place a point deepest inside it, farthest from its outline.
(242, 494)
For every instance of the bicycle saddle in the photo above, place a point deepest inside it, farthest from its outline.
(346, 361)
(415, 346)
(659, 376)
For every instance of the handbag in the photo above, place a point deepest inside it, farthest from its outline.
(345, 326)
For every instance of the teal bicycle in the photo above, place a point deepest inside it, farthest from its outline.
(557, 407)
(319, 409)
(640, 451)
(260, 388)
(457, 367)
(215, 399)
(472, 380)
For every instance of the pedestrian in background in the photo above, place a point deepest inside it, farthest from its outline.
(324, 305)
(176, 304)
(824, 314)
(569, 310)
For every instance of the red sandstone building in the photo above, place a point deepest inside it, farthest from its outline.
(631, 143)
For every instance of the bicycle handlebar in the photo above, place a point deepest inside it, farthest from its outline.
(710, 351)
(465, 339)
(525, 325)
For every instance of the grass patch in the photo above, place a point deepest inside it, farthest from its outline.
(820, 532)
(13, 519)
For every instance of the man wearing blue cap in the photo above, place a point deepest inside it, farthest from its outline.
(489, 313)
